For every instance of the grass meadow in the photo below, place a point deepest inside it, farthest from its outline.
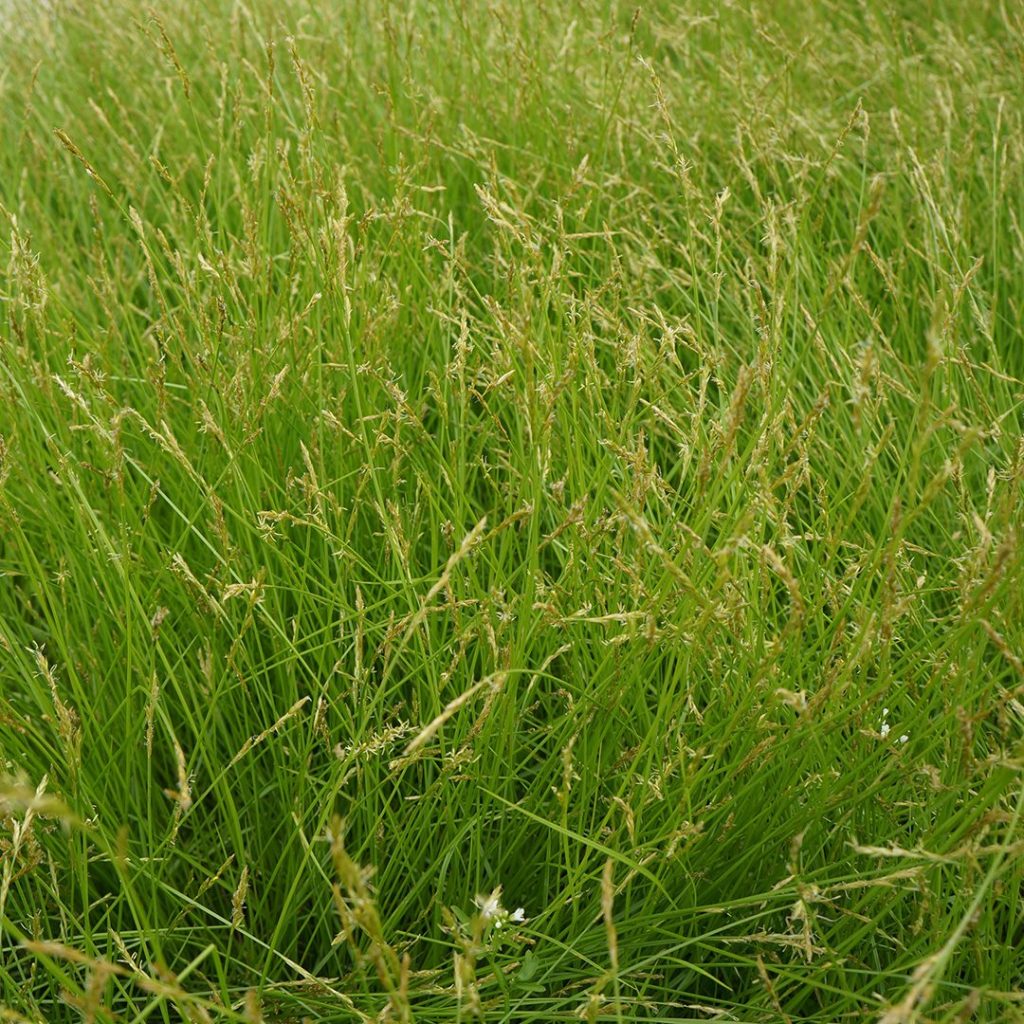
(511, 511)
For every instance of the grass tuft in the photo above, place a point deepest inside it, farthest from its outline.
(511, 512)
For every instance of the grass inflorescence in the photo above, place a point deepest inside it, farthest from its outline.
(511, 511)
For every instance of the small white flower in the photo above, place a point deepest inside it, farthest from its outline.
(885, 729)
(494, 913)
(490, 906)
(904, 738)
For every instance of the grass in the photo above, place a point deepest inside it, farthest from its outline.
(450, 446)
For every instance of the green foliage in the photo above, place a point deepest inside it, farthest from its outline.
(541, 450)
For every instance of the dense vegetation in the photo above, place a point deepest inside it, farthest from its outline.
(548, 446)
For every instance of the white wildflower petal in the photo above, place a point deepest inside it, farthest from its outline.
(490, 906)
